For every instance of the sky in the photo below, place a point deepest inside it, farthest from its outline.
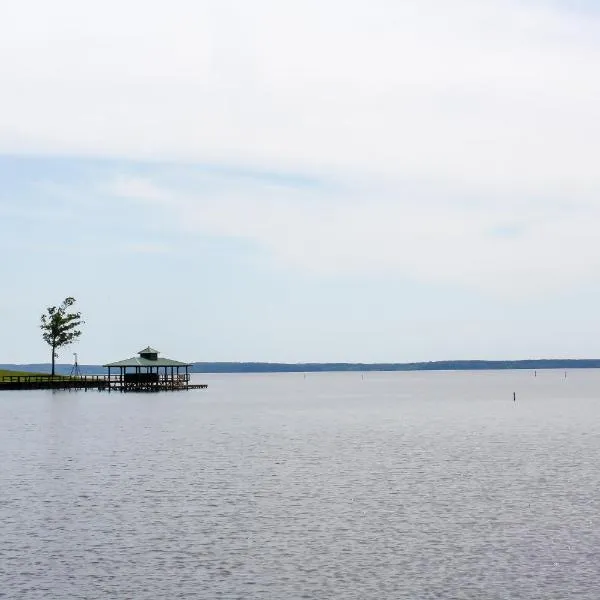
(315, 181)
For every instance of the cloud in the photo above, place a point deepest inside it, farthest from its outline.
(137, 188)
(498, 245)
(146, 248)
(487, 94)
(424, 130)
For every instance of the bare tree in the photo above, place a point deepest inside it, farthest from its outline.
(60, 327)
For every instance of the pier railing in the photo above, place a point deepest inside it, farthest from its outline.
(100, 382)
(37, 378)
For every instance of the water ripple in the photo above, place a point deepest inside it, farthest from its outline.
(396, 486)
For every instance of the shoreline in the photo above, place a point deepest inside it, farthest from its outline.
(267, 367)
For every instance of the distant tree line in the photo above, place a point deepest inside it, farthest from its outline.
(258, 367)
(443, 365)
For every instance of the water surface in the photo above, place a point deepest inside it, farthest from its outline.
(382, 485)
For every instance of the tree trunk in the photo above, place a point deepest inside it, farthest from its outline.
(53, 358)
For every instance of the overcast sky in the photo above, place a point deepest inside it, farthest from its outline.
(356, 180)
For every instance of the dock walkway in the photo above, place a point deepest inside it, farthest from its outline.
(114, 383)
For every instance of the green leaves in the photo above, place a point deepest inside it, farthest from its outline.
(60, 327)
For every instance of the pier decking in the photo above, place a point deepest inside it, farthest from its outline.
(114, 383)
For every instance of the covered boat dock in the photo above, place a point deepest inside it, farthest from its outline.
(148, 372)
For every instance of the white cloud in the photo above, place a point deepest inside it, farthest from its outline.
(137, 188)
(512, 248)
(488, 107)
(487, 93)
(146, 248)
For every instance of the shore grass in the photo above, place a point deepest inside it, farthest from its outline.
(7, 372)
(32, 374)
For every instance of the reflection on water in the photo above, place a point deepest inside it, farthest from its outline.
(405, 485)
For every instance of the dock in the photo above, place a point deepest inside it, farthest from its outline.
(113, 383)
(146, 372)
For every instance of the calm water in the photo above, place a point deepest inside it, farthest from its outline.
(405, 485)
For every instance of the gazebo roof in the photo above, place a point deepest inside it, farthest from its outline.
(137, 361)
(148, 350)
(140, 361)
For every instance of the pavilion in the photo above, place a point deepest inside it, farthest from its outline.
(149, 373)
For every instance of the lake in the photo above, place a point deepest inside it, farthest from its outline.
(335, 485)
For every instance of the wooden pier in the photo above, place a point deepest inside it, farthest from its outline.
(113, 383)
(146, 372)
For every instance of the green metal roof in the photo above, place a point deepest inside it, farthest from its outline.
(138, 361)
(141, 361)
(148, 350)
